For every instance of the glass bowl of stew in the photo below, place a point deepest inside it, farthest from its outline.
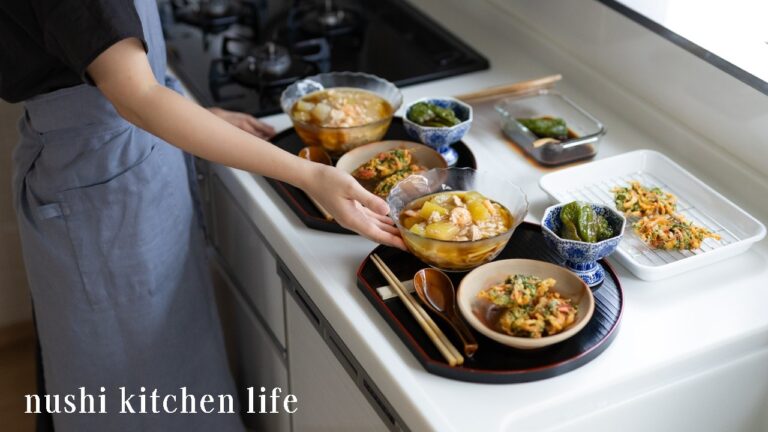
(458, 252)
(339, 111)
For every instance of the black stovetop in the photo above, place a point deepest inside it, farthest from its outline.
(210, 42)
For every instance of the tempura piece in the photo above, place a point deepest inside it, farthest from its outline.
(671, 232)
(384, 165)
(639, 201)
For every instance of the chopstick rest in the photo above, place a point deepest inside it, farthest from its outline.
(386, 292)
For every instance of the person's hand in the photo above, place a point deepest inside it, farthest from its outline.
(245, 122)
(352, 206)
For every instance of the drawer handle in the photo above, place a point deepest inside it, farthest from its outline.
(340, 350)
(373, 396)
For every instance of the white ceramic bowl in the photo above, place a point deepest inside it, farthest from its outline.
(568, 285)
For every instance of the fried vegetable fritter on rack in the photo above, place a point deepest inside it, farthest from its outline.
(671, 231)
(639, 201)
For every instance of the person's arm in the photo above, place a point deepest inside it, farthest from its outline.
(123, 74)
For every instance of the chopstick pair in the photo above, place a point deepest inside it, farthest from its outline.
(446, 348)
(517, 88)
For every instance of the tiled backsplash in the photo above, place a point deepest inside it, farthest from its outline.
(14, 295)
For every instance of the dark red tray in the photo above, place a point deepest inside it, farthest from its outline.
(494, 362)
(299, 202)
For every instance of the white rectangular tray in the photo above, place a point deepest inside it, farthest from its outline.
(700, 203)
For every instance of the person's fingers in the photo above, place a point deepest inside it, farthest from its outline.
(369, 200)
(246, 126)
(379, 217)
(376, 234)
(266, 130)
(386, 227)
(370, 228)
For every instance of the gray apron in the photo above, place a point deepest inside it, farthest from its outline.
(116, 261)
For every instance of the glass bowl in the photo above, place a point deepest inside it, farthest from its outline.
(457, 255)
(584, 130)
(338, 140)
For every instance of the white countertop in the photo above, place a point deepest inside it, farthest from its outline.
(667, 332)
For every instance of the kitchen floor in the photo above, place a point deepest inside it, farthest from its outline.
(17, 378)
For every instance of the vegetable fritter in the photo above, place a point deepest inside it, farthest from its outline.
(671, 231)
(639, 201)
(384, 165)
(531, 308)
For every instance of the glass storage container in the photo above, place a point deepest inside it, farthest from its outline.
(584, 130)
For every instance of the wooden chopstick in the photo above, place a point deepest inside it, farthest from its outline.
(321, 209)
(446, 348)
(452, 356)
(511, 89)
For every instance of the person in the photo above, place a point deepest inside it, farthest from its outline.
(112, 247)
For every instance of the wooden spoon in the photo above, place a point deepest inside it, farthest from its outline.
(436, 291)
(317, 154)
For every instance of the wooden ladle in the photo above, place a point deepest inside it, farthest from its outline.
(317, 154)
(436, 291)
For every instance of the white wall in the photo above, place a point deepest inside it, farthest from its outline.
(14, 295)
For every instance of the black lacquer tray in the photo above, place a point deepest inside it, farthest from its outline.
(494, 362)
(299, 202)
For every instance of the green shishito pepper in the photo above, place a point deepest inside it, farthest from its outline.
(581, 223)
(427, 114)
(546, 127)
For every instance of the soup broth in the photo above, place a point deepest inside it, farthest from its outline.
(341, 107)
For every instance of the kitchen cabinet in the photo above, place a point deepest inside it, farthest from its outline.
(328, 398)
(275, 335)
(247, 259)
(250, 298)
(255, 360)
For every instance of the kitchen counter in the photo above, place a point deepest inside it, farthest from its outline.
(679, 336)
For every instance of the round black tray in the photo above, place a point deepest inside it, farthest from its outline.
(494, 362)
(299, 202)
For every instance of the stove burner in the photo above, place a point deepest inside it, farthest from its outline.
(216, 8)
(266, 68)
(269, 59)
(216, 16)
(329, 20)
(212, 16)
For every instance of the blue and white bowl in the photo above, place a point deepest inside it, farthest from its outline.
(581, 257)
(441, 138)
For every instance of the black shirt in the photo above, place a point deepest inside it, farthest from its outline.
(46, 45)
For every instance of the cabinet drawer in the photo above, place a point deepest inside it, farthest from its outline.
(247, 259)
(329, 400)
(256, 361)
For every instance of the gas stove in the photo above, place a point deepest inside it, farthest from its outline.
(241, 54)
